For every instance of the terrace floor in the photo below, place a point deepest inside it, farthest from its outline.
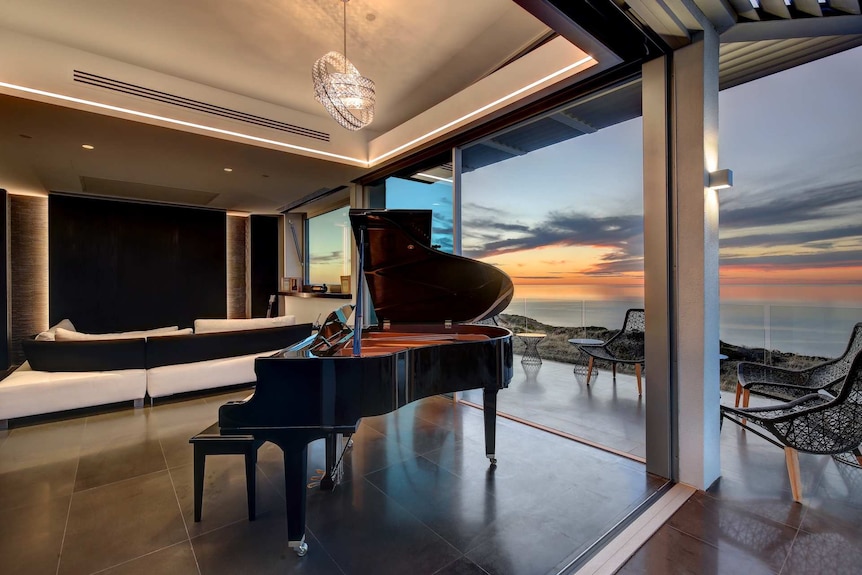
(553, 394)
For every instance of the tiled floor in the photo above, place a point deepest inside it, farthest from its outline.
(748, 522)
(112, 493)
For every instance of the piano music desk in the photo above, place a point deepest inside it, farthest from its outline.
(211, 442)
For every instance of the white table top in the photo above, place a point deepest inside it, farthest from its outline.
(532, 335)
(586, 341)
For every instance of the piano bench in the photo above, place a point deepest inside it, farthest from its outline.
(210, 441)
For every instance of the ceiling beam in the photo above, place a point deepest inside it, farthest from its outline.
(797, 28)
(572, 122)
(492, 143)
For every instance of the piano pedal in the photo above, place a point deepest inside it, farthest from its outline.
(313, 484)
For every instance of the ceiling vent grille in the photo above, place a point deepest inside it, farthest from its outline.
(166, 98)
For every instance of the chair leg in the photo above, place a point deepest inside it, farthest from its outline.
(638, 375)
(738, 394)
(745, 397)
(791, 456)
(589, 369)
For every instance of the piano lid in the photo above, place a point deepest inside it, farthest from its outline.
(411, 282)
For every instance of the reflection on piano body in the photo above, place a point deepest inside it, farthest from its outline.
(424, 344)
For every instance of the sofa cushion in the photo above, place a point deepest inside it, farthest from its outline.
(66, 335)
(221, 325)
(48, 334)
(185, 377)
(95, 355)
(174, 350)
(29, 392)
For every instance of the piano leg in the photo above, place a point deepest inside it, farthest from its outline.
(490, 410)
(332, 475)
(295, 478)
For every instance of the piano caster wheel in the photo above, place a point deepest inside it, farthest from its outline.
(349, 443)
(301, 549)
(493, 460)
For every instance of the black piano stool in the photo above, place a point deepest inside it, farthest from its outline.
(211, 442)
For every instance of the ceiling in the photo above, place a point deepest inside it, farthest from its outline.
(418, 53)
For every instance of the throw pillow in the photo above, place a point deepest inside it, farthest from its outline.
(219, 325)
(49, 334)
(66, 335)
(185, 331)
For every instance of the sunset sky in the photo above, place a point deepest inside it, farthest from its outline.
(572, 213)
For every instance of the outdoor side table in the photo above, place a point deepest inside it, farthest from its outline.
(531, 352)
(580, 367)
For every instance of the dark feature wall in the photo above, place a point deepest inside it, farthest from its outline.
(264, 263)
(4, 286)
(119, 266)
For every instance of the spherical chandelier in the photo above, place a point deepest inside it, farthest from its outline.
(347, 95)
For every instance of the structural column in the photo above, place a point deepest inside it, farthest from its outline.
(681, 292)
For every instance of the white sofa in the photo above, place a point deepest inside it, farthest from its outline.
(28, 392)
(78, 370)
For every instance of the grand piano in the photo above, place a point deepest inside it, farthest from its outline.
(425, 341)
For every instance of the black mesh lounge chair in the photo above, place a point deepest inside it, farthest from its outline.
(627, 346)
(786, 384)
(814, 423)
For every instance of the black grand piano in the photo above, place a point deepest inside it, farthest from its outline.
(425, 343)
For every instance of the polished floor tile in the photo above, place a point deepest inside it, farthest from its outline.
(111, 462)
(32, 445)
(177, 559)
(30, 537)
(224, 496)
(111, 492)
(115, 523)
(672, 552)
(390, 541)
(260, 548)
(37, 483)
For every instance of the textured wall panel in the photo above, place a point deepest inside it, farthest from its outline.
(28, 255)
(4, 278)
(237, 267)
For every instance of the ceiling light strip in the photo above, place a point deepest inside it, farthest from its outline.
(249, 137)
(438, 178)
(518, 92)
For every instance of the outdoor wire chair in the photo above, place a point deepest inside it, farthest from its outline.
(815, 423)
(786, 384)
(627, 346)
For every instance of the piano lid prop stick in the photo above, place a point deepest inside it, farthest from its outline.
(357, 318)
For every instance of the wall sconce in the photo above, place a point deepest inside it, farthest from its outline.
(720, 179)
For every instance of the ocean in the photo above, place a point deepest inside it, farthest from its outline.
(806, 319)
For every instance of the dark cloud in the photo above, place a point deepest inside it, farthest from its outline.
(496, 231)
(625, 233)
(849, 258)
(535, 277)
(813, 238)
(824, 202)
(327, 258)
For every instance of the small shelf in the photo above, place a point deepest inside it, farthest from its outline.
(325, 295)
